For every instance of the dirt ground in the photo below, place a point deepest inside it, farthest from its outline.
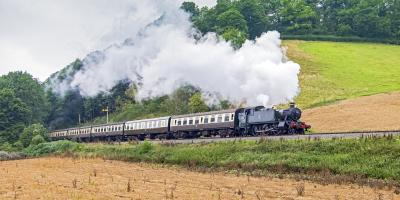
(377, 112)
(67, 178)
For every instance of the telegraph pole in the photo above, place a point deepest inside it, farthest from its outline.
(106, 110)
(107, 114)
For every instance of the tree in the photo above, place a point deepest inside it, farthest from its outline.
(296, 17)
(231, 19)
(14, 114)
(235, 36)
(32, 131)
(30, 92)
(196, 104)
(178, 101)
(190, 8)
(255, 16)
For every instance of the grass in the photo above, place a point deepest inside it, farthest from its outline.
(332, 71)
(375, 158)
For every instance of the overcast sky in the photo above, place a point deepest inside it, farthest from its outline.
(42, 36)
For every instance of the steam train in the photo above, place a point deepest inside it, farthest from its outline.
(252, 121)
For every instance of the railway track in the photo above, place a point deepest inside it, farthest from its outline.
(312, 136)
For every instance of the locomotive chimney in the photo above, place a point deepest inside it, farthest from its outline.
(292, 104)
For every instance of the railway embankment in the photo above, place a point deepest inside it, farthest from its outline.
(366, 160)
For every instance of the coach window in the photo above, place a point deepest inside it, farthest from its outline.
(206, 119)
(232, 116)
(226, 117)
(219, 118)
(196, 120)
(212, 119)
(184, 121)
(179, 122)
(190, 121)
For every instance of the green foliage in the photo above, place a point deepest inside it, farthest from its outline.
(30, 92)
(190, 8)
(6, 147)
(14, 114)
(379, 156)
(30, 132)
(18, 145)
(145, 147)
(231, 19)
(37, 139)
(58, 147)
(297, 17)
(235, 36)
(255, 16)
(333, 38)
(378, 19)
(196, 104)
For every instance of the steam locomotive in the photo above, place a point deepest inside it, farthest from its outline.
(252, 121)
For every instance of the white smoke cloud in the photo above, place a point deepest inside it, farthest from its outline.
(162, 54)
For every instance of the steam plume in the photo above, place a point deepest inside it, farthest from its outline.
(164, 52)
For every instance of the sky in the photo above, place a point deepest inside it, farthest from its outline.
(43, 36)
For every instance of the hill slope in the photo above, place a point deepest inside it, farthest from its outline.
(333, 71)
(376, 112)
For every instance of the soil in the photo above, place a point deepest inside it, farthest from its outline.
(68, 178)
(377, 112)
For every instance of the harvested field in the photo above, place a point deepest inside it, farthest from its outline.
(67, 178)
(377, 112)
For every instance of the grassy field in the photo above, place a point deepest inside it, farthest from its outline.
(356, 158)
(332, 71)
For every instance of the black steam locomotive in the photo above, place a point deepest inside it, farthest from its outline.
(254, 121)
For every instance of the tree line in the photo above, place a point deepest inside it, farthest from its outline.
(30, 109)
(237, 20)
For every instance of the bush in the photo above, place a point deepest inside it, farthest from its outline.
(58, 147)
(38, 139)
(18, 145)
(146, 147)
(6, 147)
(30, 132)
(333, 38)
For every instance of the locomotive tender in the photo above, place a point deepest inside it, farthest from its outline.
(251, 121)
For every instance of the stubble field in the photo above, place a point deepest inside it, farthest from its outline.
(68, 178)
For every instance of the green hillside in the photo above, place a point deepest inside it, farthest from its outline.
(332, 71)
